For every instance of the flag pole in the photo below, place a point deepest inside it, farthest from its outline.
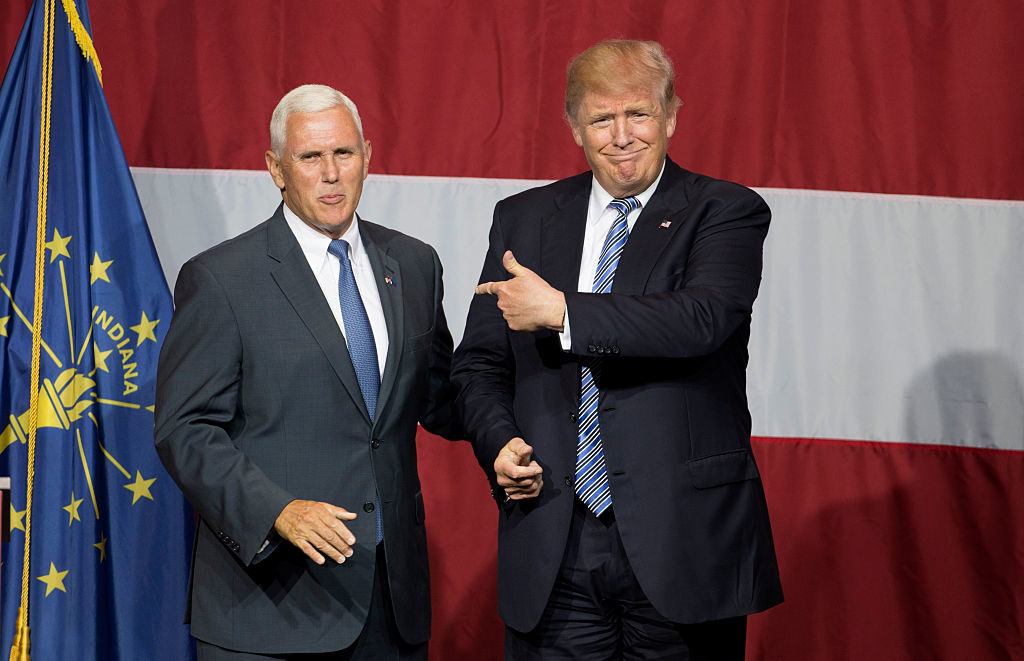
(21, 645)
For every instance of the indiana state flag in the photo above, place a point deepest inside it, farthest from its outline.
(98, 559)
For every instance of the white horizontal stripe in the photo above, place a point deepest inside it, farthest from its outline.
(881, 317)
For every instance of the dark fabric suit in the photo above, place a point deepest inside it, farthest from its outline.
(675, 425)
(258, 404)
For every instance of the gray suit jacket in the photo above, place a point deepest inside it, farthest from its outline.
(258, 404)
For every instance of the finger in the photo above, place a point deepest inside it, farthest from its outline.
(520, 450)
(332, 522)
(523, 480)
(486, 288)
(339, 537)
(324, 543)
(504, 481)
(508, 260)
(521, 494)
(310, 552)
(514, 472)
(520, 473)
(345, 535)
(336, 512)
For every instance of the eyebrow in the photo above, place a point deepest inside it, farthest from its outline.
(646, 109)
(320, 152)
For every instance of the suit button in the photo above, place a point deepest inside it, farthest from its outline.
(367, 506)
(375, 444)
(568, 481)
(602, 350)
(591, 348)
(573, 416)
(615, 350)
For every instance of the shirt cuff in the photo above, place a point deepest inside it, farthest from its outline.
(564, 336)
(268, 547)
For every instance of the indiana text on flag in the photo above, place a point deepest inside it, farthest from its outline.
(97, 564)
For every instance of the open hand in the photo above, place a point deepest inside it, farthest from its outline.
(317, 529)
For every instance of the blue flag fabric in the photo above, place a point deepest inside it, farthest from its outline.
(110, 532)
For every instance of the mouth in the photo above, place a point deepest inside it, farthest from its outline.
(333, 198)
(623, 157)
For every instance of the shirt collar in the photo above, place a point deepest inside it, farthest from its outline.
(314, 244)
(600, 198)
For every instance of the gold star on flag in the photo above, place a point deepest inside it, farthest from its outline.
(58, 246)
(17, 520)
(3, 325)
(98, 269)
(99, 358)
(54, 580)
(144, 329)
(101, 546)
(72, 509)
(140, 487)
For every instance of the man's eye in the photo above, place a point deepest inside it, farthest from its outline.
(309, 157)
(601, 123)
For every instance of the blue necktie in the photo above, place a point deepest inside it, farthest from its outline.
(591, 475)
(361, 347)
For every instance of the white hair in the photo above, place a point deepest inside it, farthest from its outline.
(307, 98)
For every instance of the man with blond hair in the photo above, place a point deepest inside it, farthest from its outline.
(301, 357)
(602, 381)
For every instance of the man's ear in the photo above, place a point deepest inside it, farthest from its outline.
(274, 167)
(576, 135)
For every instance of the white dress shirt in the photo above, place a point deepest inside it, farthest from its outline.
(599, 221)
(327, 268)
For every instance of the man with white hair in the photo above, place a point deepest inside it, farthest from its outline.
(301, 357)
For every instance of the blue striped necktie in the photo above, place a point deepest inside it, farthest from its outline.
(592, 486)
(362, 348)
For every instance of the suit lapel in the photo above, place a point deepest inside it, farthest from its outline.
(561, 249)
(387, 274)
(561, 237)
(299, 286)
(664, 214)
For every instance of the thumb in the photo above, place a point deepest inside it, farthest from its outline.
(522, 450)
(513, 266)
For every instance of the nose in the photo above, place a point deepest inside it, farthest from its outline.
(621, 135)
(328, 169)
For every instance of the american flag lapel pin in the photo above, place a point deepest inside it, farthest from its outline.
(665, 224)
(389, 281)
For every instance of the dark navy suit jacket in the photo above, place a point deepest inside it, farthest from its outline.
(674, 419)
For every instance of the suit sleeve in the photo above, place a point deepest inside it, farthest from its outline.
(723, 273)
(439, 416)
(198, 381)
(484, 369)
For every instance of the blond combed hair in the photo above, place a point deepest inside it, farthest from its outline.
(620, 65)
